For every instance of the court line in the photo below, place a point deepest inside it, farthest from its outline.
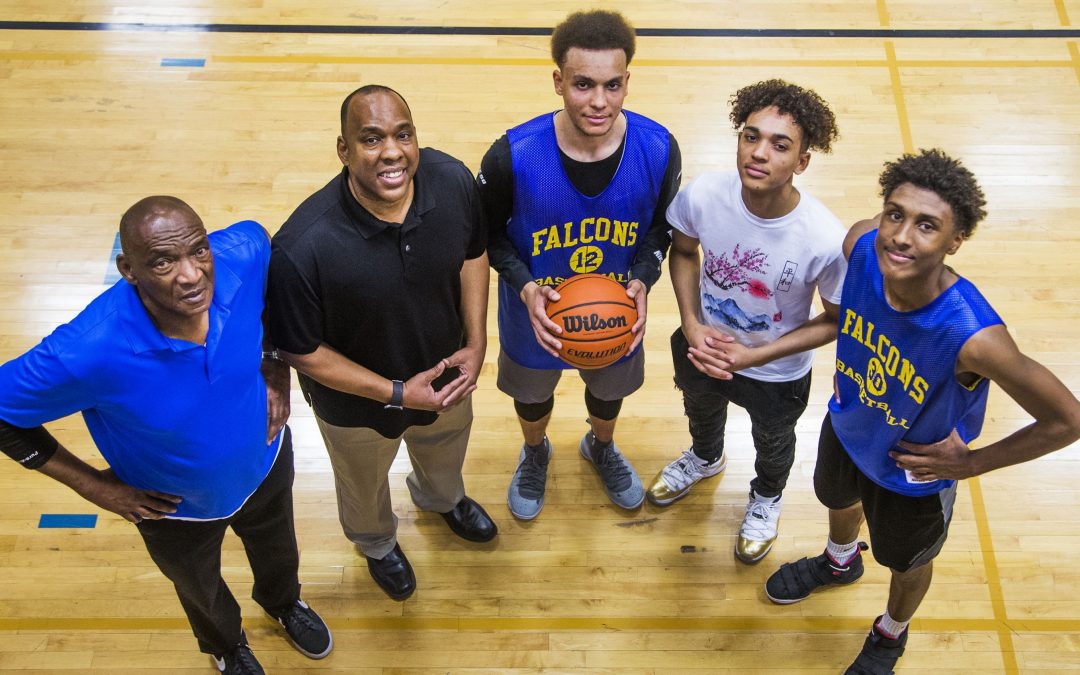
(830, 33)
(898, 97)
(1075, 53)
(1063, 13)
(993, 576)
(883, 13)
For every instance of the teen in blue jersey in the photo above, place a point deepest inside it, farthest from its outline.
(917, 346)
(580, 190)
(168, 369)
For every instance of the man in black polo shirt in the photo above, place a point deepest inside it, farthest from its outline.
(378, 297)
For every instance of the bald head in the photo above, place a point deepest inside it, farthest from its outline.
(146, 210)
(366, 90)
(167, 258)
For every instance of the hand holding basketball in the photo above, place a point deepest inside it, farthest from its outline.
(536, 299)
(636, 291)
(596, 317)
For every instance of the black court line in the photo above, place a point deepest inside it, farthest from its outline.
(490, 30)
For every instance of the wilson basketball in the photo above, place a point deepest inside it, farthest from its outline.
(596, 316)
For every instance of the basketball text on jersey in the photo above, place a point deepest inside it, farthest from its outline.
(887, 364)
(621, 277)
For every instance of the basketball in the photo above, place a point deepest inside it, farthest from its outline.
(596, 316)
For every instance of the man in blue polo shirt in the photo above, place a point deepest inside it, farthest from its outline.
(168, 371)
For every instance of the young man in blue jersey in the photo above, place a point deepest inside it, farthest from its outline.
(580, 190)
(769, 247)
(170, 370)
(917, 347)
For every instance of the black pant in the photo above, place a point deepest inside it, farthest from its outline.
(189, 554)
(774, 409)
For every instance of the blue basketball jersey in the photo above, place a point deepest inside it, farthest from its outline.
(896, 371)
(560, 232)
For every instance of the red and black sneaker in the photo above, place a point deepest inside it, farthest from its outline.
(795, 581)
(879, 654)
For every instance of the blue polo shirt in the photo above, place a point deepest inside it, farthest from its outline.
(166, 414)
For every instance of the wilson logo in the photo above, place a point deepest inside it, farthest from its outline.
(578, 324)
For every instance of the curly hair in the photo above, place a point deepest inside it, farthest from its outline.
(595, 29)
(805, 106)
(935, 171)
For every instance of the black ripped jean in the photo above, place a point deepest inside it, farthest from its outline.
(774, 409)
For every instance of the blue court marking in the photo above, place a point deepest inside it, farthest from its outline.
(885, 33)
(112, 275)
(183, 63)
(67, 520)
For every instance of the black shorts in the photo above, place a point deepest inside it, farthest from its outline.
(905, 532)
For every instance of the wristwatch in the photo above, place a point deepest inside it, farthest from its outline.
(397, 398)
(272, 355)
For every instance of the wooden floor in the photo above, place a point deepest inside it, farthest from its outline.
(91, 120)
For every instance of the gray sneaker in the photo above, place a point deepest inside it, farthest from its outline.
(526, 494)
(621, 482)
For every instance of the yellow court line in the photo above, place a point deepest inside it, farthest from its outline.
(659, 63)
(898, 98)
(1063, 13)
(1074, 52)
(993, 577)
(477, 61)
(795, 623)
(883, 13)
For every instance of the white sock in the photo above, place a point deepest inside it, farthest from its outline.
(842, 554)
(768, 500)
(701, 461)
(890, 627)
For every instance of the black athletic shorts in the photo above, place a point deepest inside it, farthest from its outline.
(905, 532)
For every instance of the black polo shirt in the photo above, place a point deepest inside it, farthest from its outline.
(385, 295)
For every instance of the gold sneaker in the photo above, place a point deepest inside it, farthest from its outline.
(676, 479)
(759, 528)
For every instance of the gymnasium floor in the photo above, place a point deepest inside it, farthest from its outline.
(233, 106)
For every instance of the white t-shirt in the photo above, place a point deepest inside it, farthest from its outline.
(758, 275)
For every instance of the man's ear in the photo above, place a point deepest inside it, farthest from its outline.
(343, 150)
(124, 267)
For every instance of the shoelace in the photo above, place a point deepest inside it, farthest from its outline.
(613, 471)
(298, 619)
(534, 473)
(757, 523)
(243, 661)
(681, 472)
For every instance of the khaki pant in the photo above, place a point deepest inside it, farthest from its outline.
(361, 459)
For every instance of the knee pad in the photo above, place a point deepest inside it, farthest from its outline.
(534, 412)
(602, 410)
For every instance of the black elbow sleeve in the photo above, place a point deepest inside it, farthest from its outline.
(29, 447)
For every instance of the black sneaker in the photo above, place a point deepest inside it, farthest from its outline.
(240, 661)
(307, 631)
(795, 581)
(879, 654)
